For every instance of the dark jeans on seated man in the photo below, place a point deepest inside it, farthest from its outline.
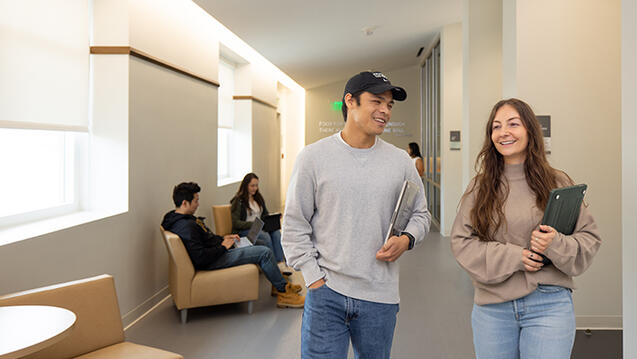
(260, 255)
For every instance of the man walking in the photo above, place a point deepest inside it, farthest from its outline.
(339, 205)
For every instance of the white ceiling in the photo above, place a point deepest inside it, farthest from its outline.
(319, 42)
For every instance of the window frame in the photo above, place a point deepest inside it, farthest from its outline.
(237, 154)
(75, 148)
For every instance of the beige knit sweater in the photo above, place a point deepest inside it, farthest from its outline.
(496, 267)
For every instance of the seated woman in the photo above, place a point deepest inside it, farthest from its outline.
(247, 205)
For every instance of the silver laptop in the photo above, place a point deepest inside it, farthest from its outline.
(251, 238)
(403, 210)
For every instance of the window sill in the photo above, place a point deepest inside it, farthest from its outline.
(21, 232)
(229, 180)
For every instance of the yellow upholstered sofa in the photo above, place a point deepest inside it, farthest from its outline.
(98, 331)
(192, 288)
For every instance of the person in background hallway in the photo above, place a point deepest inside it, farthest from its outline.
(209, 251)
(247, 205)
(414, 152)
(523, 309)
(340, 200)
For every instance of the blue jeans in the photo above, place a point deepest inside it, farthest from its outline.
(259, 255)
(271, 240)
(330, 320)
(540, 325)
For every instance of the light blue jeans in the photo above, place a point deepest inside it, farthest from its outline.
(540, 325)
(271, 240)
(331, 320)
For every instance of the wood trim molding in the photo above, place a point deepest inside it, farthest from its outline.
(127, 50)
(110, 50)
(255, 99)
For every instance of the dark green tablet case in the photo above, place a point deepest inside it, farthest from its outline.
(562, 210)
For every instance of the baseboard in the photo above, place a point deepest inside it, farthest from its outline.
(148, 304)
(601, 322)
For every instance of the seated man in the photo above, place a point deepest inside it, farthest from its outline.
(209, 251)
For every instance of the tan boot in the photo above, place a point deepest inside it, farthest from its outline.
(289, 298)
(294, 287)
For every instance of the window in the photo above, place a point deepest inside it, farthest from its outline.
(41, 173)
(234, 132)
(63, 150)
(226, 120)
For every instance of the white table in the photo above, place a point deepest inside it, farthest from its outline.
(26, 329)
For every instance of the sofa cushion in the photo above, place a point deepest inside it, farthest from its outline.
(228, 285)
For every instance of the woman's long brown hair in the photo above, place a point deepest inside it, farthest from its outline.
(487, 214)
(244, 195)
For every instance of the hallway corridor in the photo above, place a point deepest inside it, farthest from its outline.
(434, 318)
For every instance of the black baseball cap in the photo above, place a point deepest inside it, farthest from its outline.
(374, 82)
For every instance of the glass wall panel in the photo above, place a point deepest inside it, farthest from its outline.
(431, 145)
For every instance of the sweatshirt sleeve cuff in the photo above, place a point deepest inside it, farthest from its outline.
(417, 233)
(555, 245)
(516, 253)
(311, 272)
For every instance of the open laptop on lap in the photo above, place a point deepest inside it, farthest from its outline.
(251, 238)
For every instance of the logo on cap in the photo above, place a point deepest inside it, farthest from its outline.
(380, 76)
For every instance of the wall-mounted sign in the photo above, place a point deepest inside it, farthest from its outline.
(454, 140)
(397, 129)
(545, 123)
(329, 127)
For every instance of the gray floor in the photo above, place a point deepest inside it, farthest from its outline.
(434, 319)
(436, 299)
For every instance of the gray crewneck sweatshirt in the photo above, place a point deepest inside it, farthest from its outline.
(339, 204)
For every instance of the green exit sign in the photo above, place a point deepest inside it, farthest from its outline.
(337, 105)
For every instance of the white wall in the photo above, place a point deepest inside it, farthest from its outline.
(451, 120)
(629, 173)
(293, 128)
(266, 154)
(178, 32)
(481, 74)
(570, 70)
(264, 85)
